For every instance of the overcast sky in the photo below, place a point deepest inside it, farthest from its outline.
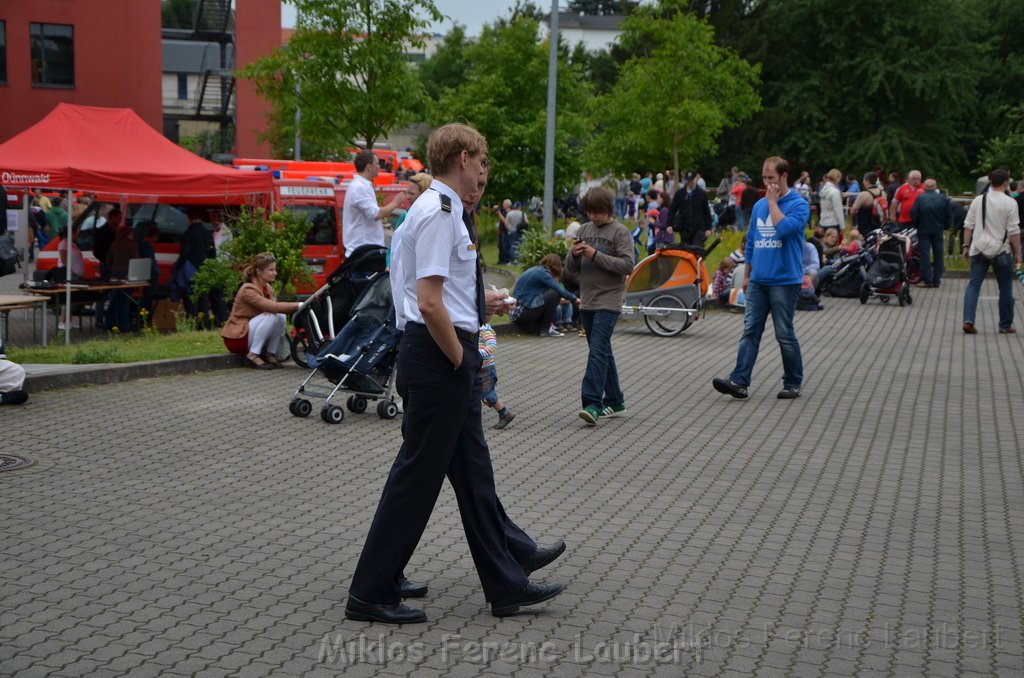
(472, 14)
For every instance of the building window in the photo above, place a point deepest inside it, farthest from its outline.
(3, 53)
(53, 55)
(183, 85)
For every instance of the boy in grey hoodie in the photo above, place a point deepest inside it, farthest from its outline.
(602, 256)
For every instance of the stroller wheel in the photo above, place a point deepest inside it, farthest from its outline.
(904, 298)
(356, 404)
(387, 409)
(332, 414)
(300, 407)
(865, 293)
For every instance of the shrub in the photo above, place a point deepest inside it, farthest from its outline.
(535, 245)
(283, 234)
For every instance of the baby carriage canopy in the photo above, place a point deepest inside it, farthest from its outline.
(330, 307)
(670, 267)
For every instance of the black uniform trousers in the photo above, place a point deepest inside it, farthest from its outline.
(443, 437)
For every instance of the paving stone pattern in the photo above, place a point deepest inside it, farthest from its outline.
(874, 527)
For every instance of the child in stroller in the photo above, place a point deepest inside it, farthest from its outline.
(361, 359)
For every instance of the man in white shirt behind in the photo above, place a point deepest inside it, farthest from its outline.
(362, 217)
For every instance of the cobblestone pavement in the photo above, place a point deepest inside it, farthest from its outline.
(875, 526)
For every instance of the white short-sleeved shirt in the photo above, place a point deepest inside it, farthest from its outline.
(359, 224)
(432, 242)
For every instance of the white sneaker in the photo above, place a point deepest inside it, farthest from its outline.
(552, 332)
(61, 326)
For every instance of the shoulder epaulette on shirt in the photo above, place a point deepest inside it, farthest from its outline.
(446, 203)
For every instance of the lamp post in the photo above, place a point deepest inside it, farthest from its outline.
(549, 138)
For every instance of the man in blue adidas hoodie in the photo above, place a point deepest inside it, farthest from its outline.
(772, 281)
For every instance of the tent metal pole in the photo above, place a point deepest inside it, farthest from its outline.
(67, 276)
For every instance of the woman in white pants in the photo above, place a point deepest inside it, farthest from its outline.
(12, 379)
(257, 320)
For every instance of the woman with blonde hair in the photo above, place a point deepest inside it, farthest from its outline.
(257, 320)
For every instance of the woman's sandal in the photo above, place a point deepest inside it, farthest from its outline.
(257, 363)
(271, 360)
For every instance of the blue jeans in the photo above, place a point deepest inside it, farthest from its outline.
(780, 301)
(929, 247)
(601, 380)
(1002, 266)
(563, 314)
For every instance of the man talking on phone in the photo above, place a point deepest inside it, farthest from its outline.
(772, 281)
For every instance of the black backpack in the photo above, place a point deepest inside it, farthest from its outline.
(9, 260)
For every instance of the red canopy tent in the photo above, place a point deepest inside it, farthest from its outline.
(113, 152)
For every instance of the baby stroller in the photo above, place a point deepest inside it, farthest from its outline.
(851, 269)
(887, 276)
(668, 288)
(330, 306)
(362, 359)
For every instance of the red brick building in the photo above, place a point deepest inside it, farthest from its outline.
(109, 53)
(87, 52)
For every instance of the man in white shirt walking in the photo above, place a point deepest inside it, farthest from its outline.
(362, 216)
(992, 237)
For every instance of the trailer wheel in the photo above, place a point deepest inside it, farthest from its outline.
(670, 322)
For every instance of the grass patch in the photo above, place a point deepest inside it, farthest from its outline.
(122, 349)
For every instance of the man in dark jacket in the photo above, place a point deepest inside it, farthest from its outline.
(931, 215)
(196, 247)
(690, 213)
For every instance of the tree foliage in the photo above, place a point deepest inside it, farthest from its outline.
(673, 98)
(447, 67)
(861, 88)
(599, 7)
(343, 67)
(504, 96)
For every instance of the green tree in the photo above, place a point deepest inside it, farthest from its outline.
(998, 116)
(504, 96)
(344, 68)
(447, 67)
(674, 97)
(598, 7)
(862, 88)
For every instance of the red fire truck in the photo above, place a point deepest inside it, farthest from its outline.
(319, 202)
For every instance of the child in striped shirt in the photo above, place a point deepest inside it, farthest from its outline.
(489, 375)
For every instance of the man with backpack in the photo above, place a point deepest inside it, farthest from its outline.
(868, 211)
(931, 215)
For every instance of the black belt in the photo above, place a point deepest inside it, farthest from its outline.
(464, 335)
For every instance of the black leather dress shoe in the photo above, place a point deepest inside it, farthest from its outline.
(531, 595)
(385, 613)
(412, 589)
(543, 557)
